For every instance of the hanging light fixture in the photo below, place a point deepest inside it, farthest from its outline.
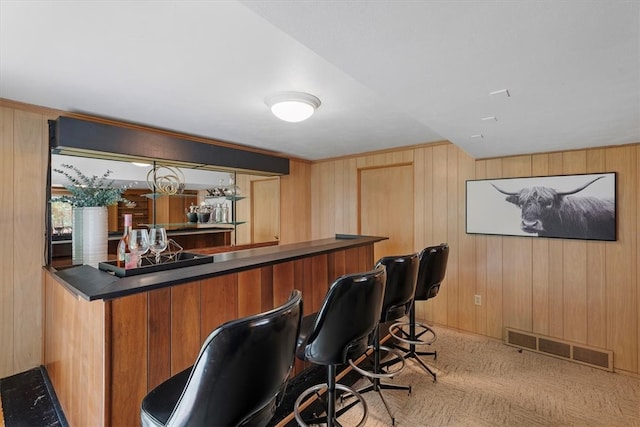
(292, 106)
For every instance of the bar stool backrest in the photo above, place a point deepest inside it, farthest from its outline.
(348, 316)
(402, 275)
(433, 266)
(242, 369)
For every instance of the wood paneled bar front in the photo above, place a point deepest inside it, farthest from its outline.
(109, 340)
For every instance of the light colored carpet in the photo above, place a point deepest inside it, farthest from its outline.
(483, 382)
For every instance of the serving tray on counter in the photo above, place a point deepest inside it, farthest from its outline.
(182, 259)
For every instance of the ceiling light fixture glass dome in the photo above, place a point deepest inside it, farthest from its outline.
(292, 106)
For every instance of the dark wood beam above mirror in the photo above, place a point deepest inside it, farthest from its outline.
(87, 138)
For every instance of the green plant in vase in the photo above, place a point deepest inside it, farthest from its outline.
(90, 191)
(89, 198)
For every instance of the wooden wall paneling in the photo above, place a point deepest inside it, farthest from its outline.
(159, 332)
(336, 265)
(93, 356)
(432, 310)
(75, 369)
(466, 250)
(637, 287)
(283, 282)
(385, 159)
(322, 200)
(480, 325)
(266, 285)
(596, 294)
(295, 203)
(350, 200)
(423, 198)
(517, 281)
(345, 196)
(219, 298)
(301, 279)
(621, 267)
(494, 297)
(449, 294)
(352, 261)
(301, 269)
(28, 226)
(424, 206)
(549, 282)
(556, 266)
(249, 292)
(319, 279)
(575, 267)
(7, 292)
(367, 261)
(341, 192)
(128, 379)
(540, 266)
(186, 338)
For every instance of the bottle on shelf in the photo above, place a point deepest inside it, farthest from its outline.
(126, 258)
(225, 213)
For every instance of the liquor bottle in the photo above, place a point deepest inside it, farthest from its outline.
(126, 258)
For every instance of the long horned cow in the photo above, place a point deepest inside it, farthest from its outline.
(552, 213)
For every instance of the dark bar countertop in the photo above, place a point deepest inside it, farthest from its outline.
(92, 284)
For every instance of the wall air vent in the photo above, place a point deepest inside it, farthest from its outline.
(579, 353)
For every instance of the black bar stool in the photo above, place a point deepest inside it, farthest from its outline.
(239, 376)
(402, 272)
(433, 267)
(340, 332)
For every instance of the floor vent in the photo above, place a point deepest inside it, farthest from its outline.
(579, 353)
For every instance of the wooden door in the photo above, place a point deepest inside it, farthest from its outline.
(265, 210)
(386, 208)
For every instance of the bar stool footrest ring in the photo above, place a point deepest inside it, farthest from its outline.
(386, 374)
(315, 389)
(396, 330)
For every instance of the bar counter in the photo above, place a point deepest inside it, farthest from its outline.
(110, 340)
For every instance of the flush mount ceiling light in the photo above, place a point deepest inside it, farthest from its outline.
(292, 106)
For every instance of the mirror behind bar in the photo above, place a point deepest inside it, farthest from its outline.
(199, 177)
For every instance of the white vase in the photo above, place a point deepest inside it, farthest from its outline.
(89, 244)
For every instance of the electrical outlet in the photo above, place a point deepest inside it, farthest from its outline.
(477, 299)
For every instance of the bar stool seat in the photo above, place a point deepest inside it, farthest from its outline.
(340, 331)
(239, 376)
(402, 272)
(431, 273)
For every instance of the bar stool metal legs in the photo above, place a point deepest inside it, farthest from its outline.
(331, 415)
(415, 336)
(379, 372)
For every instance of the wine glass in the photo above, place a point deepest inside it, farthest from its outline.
(139, 244)
(157, 241)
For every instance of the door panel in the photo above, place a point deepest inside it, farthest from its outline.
(265, 215)
(386, 208)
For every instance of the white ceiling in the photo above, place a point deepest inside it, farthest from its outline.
(388, 73)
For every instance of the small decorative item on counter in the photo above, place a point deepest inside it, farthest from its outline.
(165, 180)
(126, 258)
(192, 213)
(217, 213)
(215, 192)
(225, 213)
(203, 217)
(192, 217)
(204, 213)
(232, 189)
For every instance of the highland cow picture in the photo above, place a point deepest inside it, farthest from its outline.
(566, 206)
